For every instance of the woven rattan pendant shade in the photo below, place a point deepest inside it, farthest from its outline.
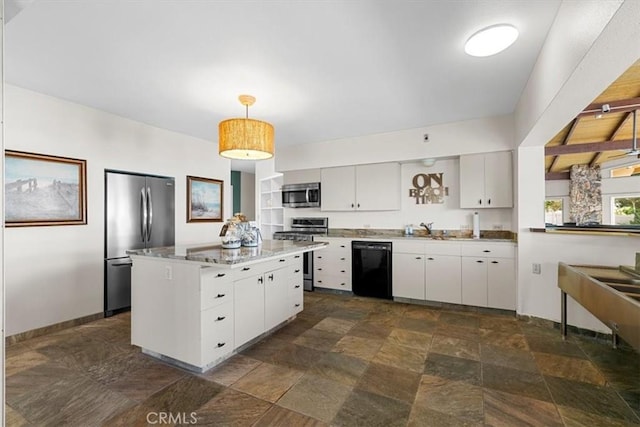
(245, 139)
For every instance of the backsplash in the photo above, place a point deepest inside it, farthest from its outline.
(392, 232)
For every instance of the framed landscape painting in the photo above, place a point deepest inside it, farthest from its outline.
(204, 199)
(44, 190)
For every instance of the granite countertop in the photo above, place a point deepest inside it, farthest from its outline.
(214, 253)
(419, 234)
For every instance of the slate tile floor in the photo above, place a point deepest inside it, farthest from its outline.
(345, 361)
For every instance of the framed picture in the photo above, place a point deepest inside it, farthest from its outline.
(204, 199)
(44, 190)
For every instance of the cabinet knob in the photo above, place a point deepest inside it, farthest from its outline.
(297, 305)
(297, 271)
(479, 261)
(342, 284)
(358, 204)
(342, 246)
(297, 256)
(486, 250)
(220, 318)
(221, 344)
(342, 259)
(246, 269)
(319, 256)
(479, 201)
(220, 275)
(271, 277)
(342, 271)
(319, 281)
(282, 260)
(319, 269)
(351, 204)
(494, 262)
(430, 259)
(489, 201)
(260, 280)
(297, 286)
(418, 257)
(220, 295)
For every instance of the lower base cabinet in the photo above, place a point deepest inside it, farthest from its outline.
(408, 276)
(443, 279)
(249, 303)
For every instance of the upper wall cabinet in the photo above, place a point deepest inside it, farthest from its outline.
(486, 180)
(361, 188)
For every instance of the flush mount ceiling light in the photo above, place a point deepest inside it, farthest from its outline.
(429, 162)
(245, 139)
(491, 40)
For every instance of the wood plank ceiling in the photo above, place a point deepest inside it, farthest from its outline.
(596, 136)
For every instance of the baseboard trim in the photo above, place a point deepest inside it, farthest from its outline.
(56, 327)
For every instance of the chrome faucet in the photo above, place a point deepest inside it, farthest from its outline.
(427, 226)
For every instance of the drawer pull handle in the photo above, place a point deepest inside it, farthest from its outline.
(479, 261)
(342, 246)
(297, 256)
(271, 277)
(297, 286)
(342, 284)
(342, 259)
(221, 344)
(297, 305)
(220, 318)
(319, 269)
(342, 271)
(430, 259)
(220, 295)
(260, 279)
(418, 257)
(282, 260)
(246, 269)
(489, 201)
(494, 262)
(297, 270)
(220, 275)
(479, 201)
(319, 281)
(486, 250)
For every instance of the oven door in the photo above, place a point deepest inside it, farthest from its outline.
(307, 271)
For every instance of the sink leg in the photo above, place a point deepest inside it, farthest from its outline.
(614, 340)
(563, 314)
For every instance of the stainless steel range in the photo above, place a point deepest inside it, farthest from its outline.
(305, 229)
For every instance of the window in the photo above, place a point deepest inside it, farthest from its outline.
(625, 210)
(553, 212)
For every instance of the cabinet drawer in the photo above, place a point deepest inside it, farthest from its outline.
(336, 243)
(217, 332)
(408, 247)
(252, 270)
(332, 281)
(491, 250)
(296, 300)
(215, 294)
(343, 271)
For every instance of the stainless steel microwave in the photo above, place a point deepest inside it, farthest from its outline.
(301, 195)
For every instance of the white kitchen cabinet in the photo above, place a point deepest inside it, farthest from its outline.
(486, 180)
(443, 278)
(332, 265)
(249, 303)
(408, 275)
(373, 187)
(276, 298)
(295, 286)
(488, 275)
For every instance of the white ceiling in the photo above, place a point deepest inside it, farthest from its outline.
(320, 70)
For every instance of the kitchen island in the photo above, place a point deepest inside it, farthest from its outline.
(196, 305)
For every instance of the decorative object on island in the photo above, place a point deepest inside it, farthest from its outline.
(204, 199)
(44, 190)
(245, 138)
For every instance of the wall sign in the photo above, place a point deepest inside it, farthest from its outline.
(428, 188)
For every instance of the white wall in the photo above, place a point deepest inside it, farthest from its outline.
(248, 195)
(448, 215)
(445, 140)
(55, 273)
(588, 47)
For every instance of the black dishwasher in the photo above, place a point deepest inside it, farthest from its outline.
(371, 267)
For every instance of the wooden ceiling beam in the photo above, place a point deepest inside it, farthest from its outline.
(552, 176)
(619, 106)
(565, 141)
(596, 157)
(589, 147)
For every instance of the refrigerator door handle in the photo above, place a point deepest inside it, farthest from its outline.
(143, 215)
(150, 213)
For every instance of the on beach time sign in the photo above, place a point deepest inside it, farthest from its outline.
(428, 188)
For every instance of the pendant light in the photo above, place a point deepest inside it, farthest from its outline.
(245, 138)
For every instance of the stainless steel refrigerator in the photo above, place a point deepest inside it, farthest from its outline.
(139, 213)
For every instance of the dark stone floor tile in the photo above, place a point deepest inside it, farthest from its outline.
(87, 357)
(460, 319)
(184, 395)
(316, 397)
(293, 329)
(418, 325)
(16, 349)
(268, 382)
(573, 417)
(370, 330)
(266, 349)
(339, 367)
(515, 381)
(508, 357)
(389, 320)
(13, 418)
(362, 348)
(455, 347)
(349, 314)
(388, 381)
(459, 399)
(32, 380)
(505, 409)
(23, 361)
(297, 357)
(453, 368)
(140, 384)
(421, 312)
(318, 339)
(571, 368)
(402, 357)
(598, 400)
(335, 325)
(503, 339)
(67, 345)
(231, 407)
(120, 366)
(425, 417)
(458, 331)
(363, 409)
(407, 338)
(231, 370)
(278, 417)
(555, 345)
(508, 324)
